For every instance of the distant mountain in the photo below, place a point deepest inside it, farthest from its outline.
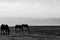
(31, 21)
(52, 21)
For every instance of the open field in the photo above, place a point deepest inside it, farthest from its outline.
(35, 33)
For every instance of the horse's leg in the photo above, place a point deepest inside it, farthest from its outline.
(1, 31)
(28, 29)
(8, 31)
(15, 29)
(22, 29)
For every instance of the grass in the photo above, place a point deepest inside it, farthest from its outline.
(36, 33)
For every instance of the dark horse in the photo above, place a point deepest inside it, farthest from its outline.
(22, 27)
(26, 27)
(18, 27)
(5, 29)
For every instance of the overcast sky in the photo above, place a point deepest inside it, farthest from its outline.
(30, 8)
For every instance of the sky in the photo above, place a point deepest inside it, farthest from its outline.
(30, 8)
(12, 9)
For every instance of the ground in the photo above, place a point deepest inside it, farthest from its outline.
(35, 33)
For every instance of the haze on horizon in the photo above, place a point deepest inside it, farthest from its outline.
(30, 8)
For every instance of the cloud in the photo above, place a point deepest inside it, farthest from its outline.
(29, 8)
(56, 2)
(16, 6)
(3, 4)
(37, 3)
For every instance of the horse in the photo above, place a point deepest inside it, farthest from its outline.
(22, 27)
(5, 29)
(26, 27)
(18, 27)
